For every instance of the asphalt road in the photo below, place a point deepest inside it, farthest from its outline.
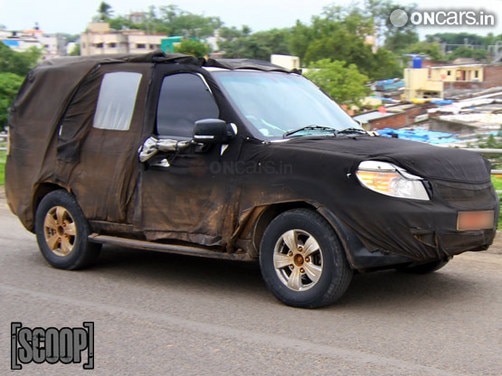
(160, 314)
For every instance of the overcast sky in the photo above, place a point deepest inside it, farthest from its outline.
(72, 16)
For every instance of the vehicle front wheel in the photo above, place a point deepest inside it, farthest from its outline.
(302, 260)
(62, 232)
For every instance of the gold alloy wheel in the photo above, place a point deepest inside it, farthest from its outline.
(298, 260)
(60, 231)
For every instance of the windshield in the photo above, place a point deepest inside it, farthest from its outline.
(278, 104)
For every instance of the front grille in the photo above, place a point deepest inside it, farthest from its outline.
(465, 196)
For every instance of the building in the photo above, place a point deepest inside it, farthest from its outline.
(286, 61)
(439, 81)
(51, 45)
(418, 84)
(100, 39)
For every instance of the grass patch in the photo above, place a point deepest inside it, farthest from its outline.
(497, 183)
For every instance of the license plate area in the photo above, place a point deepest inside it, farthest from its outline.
(475, 220)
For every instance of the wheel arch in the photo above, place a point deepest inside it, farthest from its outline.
(266, 216)
(40, 192)
(348, 240)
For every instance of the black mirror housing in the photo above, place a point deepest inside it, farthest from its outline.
(212, 131)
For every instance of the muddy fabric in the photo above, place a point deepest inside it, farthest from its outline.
(61, 94)
(207, 196)
(323, 170)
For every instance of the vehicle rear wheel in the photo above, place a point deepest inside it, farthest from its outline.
(302, 260)
(62, 232)
(424, 268)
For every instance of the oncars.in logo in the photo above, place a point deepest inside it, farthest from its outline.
(443, 17)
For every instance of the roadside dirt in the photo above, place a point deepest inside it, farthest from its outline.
(496, 247)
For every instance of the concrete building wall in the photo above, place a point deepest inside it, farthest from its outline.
(286, 61)
(52, 45)
(398, 120)
(144, 43)
(99, 39)
(419, 85)
(469, 73)
(493, 76)
(420, 82)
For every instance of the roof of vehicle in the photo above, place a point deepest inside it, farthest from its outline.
(244, 64)
(159, 56)
(61, 76)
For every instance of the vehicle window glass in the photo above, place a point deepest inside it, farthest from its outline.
(184, 99)
(274, 102)
(116, 100)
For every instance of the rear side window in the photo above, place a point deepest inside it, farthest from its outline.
(184, 99)
(117, 97)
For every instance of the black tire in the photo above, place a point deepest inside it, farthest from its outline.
(426, 268)
(312, 271)
(62, 232)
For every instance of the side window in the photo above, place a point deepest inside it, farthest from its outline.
(184, 99)
(117, 97)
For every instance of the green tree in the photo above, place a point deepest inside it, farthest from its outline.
(275, 40)
(75, 50)
(386, 65)
(242, 44)
(396, 39)
(343, 46)
(300, 38)
(13, 67)
(105, 12)
(457, 38)
(340, 34)
(344, 83)
(467, 45)
(121, 22)
(477, 54)
(182, 23)
(171, 20)
(9, 85)
(70, 37)
(192, 47)
(235, 42)
(431, 49)
(400, 39)
(19, 63)
(232, 33)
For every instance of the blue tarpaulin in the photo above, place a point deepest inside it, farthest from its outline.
(11, 43)
(422, 135)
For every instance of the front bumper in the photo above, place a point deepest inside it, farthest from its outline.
(422, 231)
(445, 245)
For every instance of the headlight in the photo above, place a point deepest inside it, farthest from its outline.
(391, 180)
